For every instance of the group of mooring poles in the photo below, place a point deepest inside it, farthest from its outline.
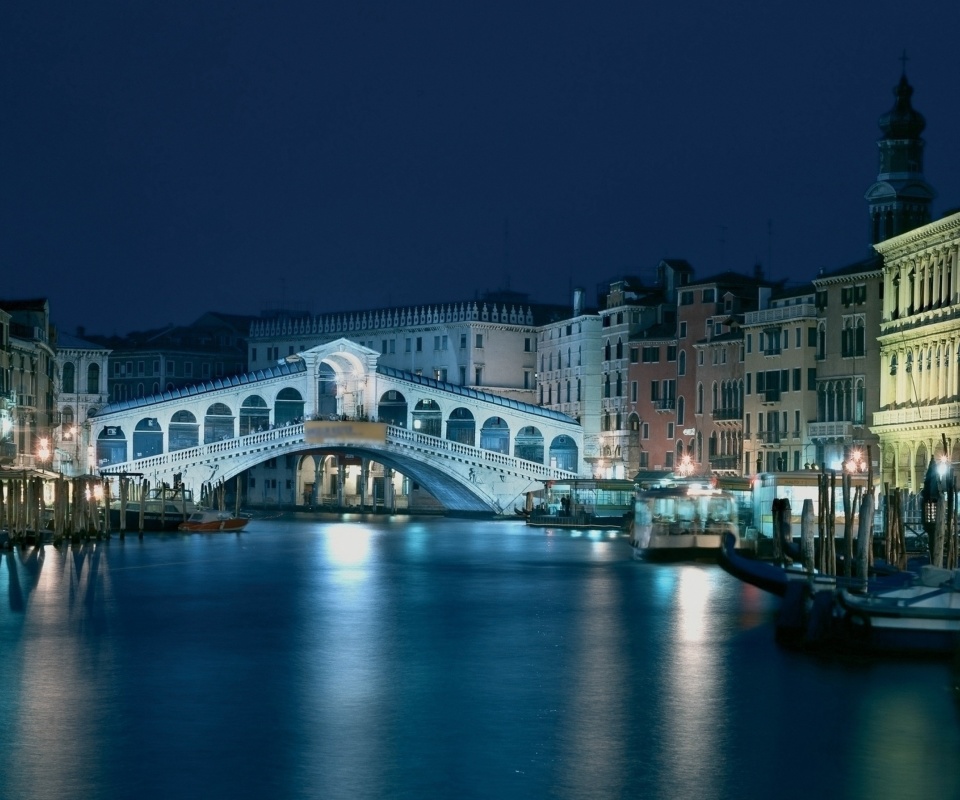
(79, 511)
(76, 511)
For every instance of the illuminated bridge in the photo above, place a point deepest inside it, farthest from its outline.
(473, 451)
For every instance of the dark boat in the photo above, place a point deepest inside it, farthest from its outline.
(905, 612)
(163, 510)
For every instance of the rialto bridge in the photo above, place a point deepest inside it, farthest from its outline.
(473, 451)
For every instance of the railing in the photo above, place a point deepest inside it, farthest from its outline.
(665, 404)
(770, 396)
(724, 462)
(779, 314)
(728, 414)
(769, 437)
(830, 430)
(930, 413)
(294, 434)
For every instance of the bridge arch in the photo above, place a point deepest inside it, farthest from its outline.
(254, 414)
(462, 427)
(427, 417)
(111, 446)
(528, 444)
(218, 423)
(495, 435)
(184, 431)
(288, 407)
(392, 408)
(564, 453)
(147, 438)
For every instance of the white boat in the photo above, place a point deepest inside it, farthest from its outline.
(683, 522)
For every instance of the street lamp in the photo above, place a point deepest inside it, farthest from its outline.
(856, 462)
(43, 450)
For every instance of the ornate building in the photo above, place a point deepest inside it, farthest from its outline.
(919, 347)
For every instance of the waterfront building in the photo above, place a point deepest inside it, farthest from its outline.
(849, 304)
(569, 357)
(919, 349)
(780, 387)
(488, 343)
(710, 367)
(28, 384)
(149, 362)
(80, 382)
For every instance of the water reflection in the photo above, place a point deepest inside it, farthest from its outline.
(692, 730)
(59, 660)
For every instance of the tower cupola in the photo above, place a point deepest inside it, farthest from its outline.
(900, 198)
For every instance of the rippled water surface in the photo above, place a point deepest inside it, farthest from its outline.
(389, 658)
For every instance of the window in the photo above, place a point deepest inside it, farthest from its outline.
(670, 430)
(463, 342)
(796, 379)
(646, 430)
(796, 423)
(811, 337)
(683, 330)
(746, 425)
(686, 298)
(383, 346)
(709, 295)
(749, 342)
(812, 379)
(633, 391)
(253, 357)
(671, 352)
(821, 299)
(408, 345)
(650, 355)
(798, 339)
(680, 410)
(634, 355)
(419, 344)
(527, 345)
(749, 376)
(682, 363)
(479, 340)
(478, 376)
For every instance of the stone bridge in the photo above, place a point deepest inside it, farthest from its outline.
(474, 451)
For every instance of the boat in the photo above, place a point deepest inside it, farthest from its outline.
(913, 611)
(683, 523)
(209, 521)
(163, 510)
(584, 504)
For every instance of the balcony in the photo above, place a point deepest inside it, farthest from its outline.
(779, 314)
(768, 438)
(770, 396)
(727, 414)
(931, 413)
(665, 404)
(836, 431)
(724, 462)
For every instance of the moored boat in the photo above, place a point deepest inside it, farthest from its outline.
(210, 521)
(163, 510)
(683, 523)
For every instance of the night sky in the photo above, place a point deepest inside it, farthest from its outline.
(158, 160)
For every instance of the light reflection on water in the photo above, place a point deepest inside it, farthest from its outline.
(385, 658)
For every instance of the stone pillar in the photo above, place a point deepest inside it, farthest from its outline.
(341, 479)
(389, 503)
(317, 480)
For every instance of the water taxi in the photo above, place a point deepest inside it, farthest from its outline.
(683, 522)
(209, 521)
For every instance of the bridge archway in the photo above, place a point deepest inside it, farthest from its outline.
(218, 423)
(462, 427)
(288, 406)
(427, 418)
(392, 408)
(254, 414)
(111, 446)
(564, 453)
(528, 444)
(495, 435)
(184, 431)
(147, 438)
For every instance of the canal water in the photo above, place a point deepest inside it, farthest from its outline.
(404, 658)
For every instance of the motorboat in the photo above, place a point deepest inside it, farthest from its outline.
(210, 521)
(683, 523)
(914, 611)
(162, 510)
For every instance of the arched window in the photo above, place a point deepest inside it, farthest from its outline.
(699, 398)
(680, 410)
(93, 379)
(606, 352)
(619, 348)
(68, 374)
(682, 363)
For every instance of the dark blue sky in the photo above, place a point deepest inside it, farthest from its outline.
(162, 159)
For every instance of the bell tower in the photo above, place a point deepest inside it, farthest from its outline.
(900, 198)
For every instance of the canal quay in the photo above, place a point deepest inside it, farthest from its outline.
(382, 657)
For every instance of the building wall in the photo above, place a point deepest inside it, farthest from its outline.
(919, 345)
